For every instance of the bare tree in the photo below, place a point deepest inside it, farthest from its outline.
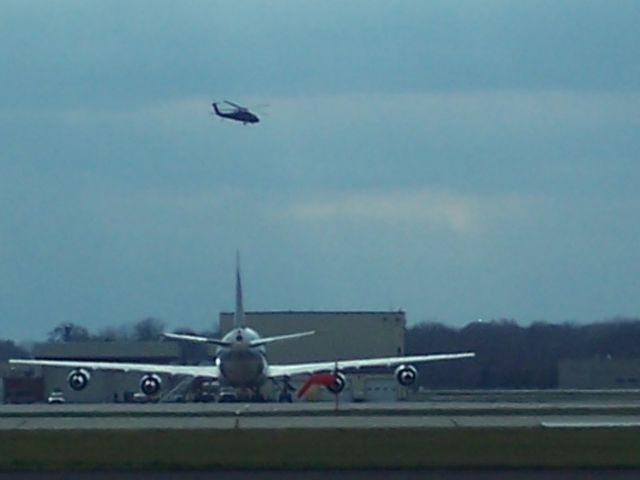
(68, 332)
(148, 329)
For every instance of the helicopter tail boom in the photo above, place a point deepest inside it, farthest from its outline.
(214, 105)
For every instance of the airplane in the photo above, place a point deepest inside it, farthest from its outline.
(241, 364)
(240, 114)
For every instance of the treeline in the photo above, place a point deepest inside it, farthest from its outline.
(148, 329)
(145, 330)
(512, 356)
(507, 355)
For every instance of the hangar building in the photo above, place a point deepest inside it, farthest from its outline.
(339, 336)
(599, 373)
(20, 386)
(103, 386)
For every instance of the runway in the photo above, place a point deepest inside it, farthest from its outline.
(578, 413)
(314, 422)
(477, 433)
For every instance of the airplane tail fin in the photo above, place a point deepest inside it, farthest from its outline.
(238, 316)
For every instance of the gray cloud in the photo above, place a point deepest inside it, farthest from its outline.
(114, 53)
(491, 148)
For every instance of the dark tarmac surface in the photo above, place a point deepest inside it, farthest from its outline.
(339, 475)
(481, 413)
(316, 422)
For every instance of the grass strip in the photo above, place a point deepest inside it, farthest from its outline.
(319, 449)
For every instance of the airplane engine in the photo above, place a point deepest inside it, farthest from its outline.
(406, 375)
(150, 384)
(338, 384)
(78, 379)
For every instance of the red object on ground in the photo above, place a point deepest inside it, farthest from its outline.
(324, 379)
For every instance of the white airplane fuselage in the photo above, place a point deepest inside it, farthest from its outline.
(240, 364)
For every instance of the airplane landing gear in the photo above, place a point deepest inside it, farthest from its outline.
(285, 397)
(285, 391)
(257, 396)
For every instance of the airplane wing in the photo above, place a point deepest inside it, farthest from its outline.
(263, 341)
(276, 371)
(209, 371)
(254, 343)
(196, 339)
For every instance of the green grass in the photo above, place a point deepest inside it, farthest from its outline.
(331, 448)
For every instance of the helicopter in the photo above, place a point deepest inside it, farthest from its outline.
(239, 114)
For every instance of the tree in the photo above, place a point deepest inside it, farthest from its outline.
(68, 332)
(111, 334)
(148, 329)
(511, 356)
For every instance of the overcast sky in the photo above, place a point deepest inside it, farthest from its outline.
(455, 159)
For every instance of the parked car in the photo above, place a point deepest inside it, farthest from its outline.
(56, 397)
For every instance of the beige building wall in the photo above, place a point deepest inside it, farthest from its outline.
(339, 335)
(120, 351)
(104, 386)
